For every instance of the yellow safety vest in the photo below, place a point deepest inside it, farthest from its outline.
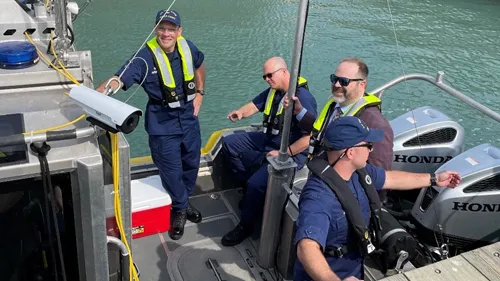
(274, 125)
(170, 96)
(368, 100)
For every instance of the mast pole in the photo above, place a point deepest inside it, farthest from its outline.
(281, 168)
(62, 42)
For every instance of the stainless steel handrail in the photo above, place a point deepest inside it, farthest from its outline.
(125, 266)
(438, 82)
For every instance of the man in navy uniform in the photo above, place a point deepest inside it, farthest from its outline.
(247, 152)
(173, 76)
(327, 246)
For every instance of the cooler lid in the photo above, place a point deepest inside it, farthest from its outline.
(148, 193)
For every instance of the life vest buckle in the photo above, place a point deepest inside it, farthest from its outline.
(368, 247)
(338, 252)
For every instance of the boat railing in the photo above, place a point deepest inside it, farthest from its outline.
(438, 82)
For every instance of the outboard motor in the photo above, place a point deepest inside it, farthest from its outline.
(424, 139)
(467, 216)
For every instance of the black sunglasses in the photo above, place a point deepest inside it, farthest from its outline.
(343, 81)
(270, 74)
(368, 145)
(326, 146)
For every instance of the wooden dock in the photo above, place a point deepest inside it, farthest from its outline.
(482, 264)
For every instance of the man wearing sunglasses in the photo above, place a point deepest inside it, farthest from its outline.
(349, 98)
(247, 152)
(327, 248)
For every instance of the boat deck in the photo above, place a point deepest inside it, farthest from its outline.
(198, 255)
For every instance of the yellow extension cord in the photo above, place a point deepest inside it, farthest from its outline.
(118, 214)
(114, 150)
(65, 74)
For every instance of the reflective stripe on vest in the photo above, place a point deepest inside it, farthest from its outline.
(276, 123)
(166, 73)
(366, 101)
(187, 62)
(318, 124)
(267, 112)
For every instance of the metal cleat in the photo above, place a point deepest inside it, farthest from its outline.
(402, 260)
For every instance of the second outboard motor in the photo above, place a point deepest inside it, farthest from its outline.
(424, 139)
(467, 216)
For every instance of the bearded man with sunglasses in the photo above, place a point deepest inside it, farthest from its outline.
(246, 152)
(336, 206)
(349, 98)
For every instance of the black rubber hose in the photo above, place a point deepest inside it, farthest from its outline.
(47, 187)
(54, 215)
(40, 155)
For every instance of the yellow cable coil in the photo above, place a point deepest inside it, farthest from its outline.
(65, 73)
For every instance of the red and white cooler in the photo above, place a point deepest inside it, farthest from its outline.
(150, 207)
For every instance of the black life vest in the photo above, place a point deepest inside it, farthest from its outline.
(364, 233)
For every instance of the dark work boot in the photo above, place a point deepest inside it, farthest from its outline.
(177, 226)
(236, 236)
(193, 215)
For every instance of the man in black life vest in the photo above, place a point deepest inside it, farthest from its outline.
(336, 207)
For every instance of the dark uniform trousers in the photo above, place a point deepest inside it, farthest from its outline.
(246, 153)
(178, 159)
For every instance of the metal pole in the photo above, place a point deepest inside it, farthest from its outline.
(21, 139)
(438, 82)
(281, 168)
(60, 7)
(61, 42)
(292, 88)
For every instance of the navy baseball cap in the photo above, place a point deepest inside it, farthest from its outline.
(345, 132)
(170, 16)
